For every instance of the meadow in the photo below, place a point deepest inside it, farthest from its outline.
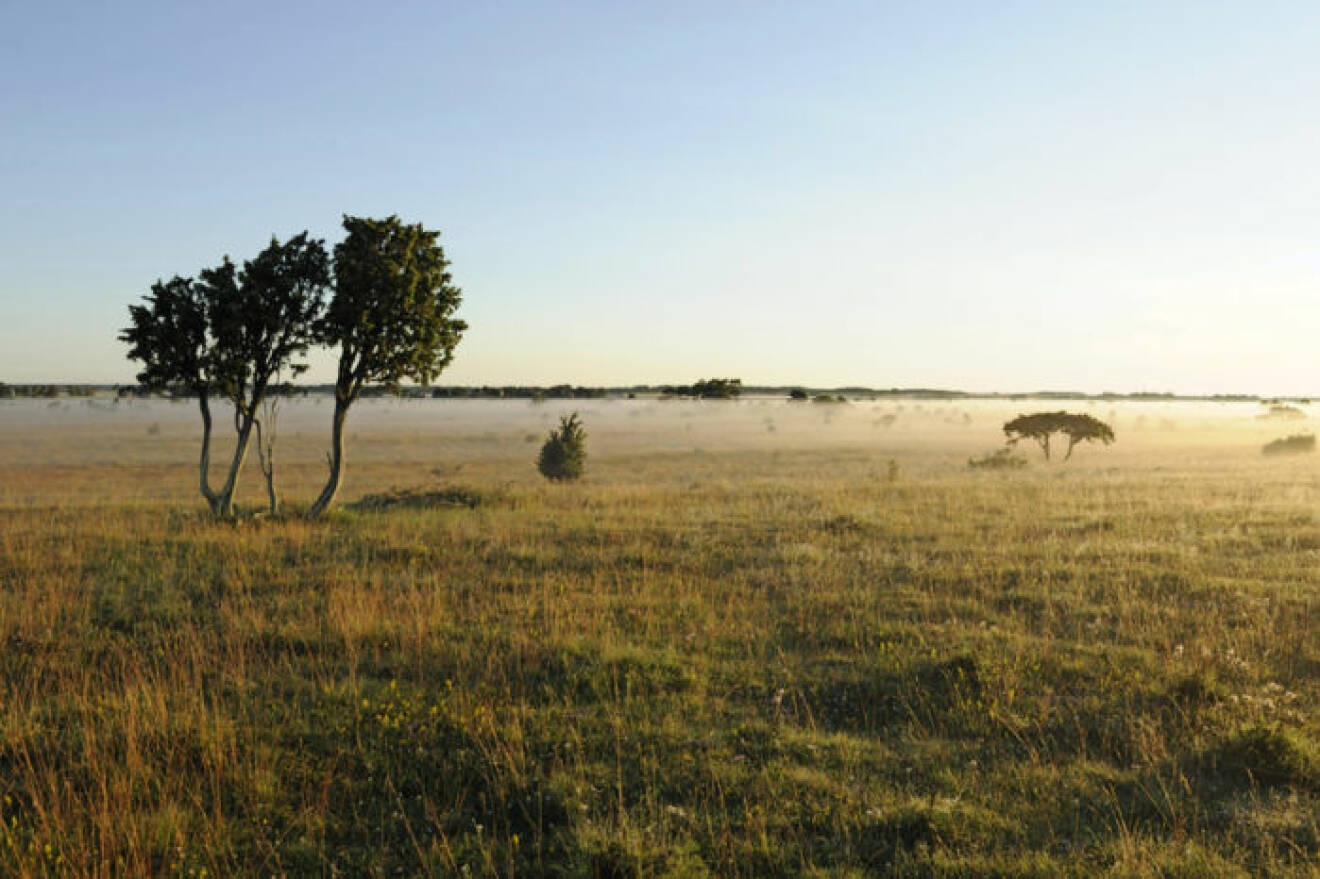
(760, 639)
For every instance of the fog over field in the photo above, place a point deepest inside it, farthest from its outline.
(418, 442)
(149, 448)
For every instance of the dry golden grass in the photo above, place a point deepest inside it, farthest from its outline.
(733, 650)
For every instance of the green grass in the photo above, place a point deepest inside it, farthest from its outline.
(786, 664)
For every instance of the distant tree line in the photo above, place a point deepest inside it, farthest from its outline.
(707, 388)
(562, 391)
(11, 392)
(522, 392)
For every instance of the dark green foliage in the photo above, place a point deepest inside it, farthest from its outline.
(718, 388)
(1040, 426)
(798, 395)
(391, 317)
(1290, 445)
(230, 332)
(563, 458)
(169, 335)
(1000, 459)
(708, 389)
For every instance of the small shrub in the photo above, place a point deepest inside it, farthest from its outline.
(1000, 459)
(415, 498)
(1283, 413)
(564, 455)
(1290, 445)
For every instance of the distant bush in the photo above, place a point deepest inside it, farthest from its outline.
(414, 498)
(1283, 413)
(1000, 459)
(707, 389)
(797, 395)
(1290, 445)
(563, 458)
(829, 398)
(718, 388)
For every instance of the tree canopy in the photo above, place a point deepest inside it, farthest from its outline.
(230, 332)
(1041, 426)
(391, 317)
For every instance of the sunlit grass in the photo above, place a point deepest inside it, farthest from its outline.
(716, 656)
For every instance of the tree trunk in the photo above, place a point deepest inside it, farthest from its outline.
(204, 465)
(1071, 442)
(266, 458)
(1045, 444)
(331, 489)
(230, 487)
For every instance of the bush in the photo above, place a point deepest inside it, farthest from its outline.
(564, 455)
(1291, 445)
(1000, 459)
(1284, 413)
(717, 388)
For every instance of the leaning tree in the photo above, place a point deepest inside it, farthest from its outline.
(169, 334)
(391, 317)
(1041, 426)
(230, 333)
(266, 324)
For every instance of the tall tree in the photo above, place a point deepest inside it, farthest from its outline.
(229, 333)
(391, 317)
(264, 321)
(169, 335)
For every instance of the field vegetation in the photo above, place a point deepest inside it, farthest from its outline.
(758, 639)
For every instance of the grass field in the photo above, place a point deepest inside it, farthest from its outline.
(747, 645)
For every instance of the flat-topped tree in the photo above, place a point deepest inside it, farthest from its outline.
(391, 317)
(229, 333)
(1040, 426)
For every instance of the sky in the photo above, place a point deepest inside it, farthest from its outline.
(986, 196)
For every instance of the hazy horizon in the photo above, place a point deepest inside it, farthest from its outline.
(939, 196)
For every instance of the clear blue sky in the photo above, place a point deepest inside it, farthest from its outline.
(977, 195)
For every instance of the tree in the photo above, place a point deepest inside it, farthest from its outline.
(391, 317)
(563, 458)
(229, 333)
(717, 388)
(1040, 426)
(265, 324)
(169, 334)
